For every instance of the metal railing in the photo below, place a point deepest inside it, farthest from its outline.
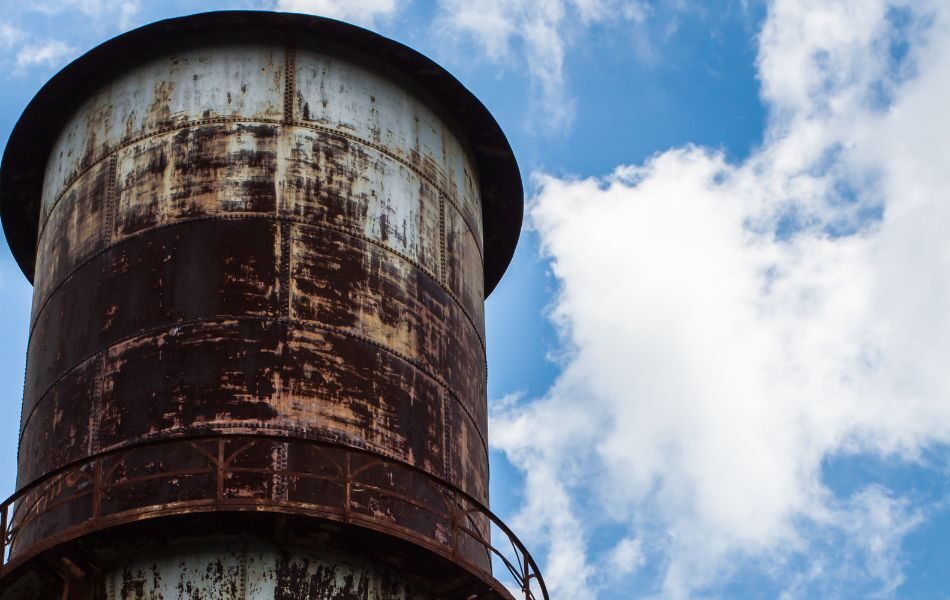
(354, 487)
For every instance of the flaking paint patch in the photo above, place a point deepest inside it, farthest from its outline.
(241, 571)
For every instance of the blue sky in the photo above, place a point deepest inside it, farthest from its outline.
(717, 361)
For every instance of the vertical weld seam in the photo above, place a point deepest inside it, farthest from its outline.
(242, 573)
(290, 82)
(446, 463)
(94, 418)
(111, 587)
(484, 367)
(111, 192)
(443, 276)
(26, 372)
(483, 399)
(290, 89)
(280, 491)
(285, 299)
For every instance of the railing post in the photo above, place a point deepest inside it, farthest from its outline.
(526, 578)
(3, 532)
(347, 487)
(456, 529)
(97, 490)
(219, 474)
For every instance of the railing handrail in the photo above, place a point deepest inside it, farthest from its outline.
(526, 571)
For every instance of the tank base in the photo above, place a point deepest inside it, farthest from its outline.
(246, 556)
(234, 569)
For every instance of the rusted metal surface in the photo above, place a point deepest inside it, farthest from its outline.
(279, 238)
(239, 275)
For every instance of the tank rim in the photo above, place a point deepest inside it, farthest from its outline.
(24, 159)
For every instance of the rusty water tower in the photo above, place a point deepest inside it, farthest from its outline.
(260, 245)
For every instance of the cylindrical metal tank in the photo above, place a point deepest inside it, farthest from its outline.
(260, 245)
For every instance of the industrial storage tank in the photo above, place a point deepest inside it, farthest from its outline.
(260, 245)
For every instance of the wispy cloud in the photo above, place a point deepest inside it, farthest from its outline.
(9, 36)
(363, 12)
(49, 54)
(626, 557)
(537, 35)
(121, 12)
(730, 326)
(27, 49)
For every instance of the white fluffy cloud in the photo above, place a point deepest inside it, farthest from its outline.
(731, 326)
(536, 33)
(363, 12)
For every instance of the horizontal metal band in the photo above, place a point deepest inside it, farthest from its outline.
(267, 217)
(89, 372)
(109, 153)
